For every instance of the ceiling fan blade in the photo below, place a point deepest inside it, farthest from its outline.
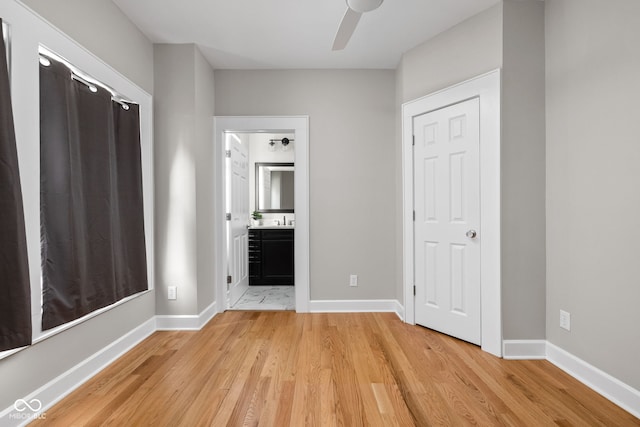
(346, 29)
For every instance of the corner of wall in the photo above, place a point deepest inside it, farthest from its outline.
(399, 265)
(523, 171)
(184, 108)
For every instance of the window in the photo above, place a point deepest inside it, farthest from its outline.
(91, 203)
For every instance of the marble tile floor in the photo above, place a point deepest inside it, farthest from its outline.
(267, 298)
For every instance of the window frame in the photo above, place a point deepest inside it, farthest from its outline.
(28, 33)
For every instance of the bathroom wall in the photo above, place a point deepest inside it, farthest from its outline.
(259, 152)
(352, 214)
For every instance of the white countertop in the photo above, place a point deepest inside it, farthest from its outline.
(272, 227)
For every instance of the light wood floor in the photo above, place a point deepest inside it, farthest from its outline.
(287, 369)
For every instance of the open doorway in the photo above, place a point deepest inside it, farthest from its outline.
(260, 209)
(281, 137)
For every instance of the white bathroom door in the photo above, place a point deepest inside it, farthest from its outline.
(447, 220)
(238, 217)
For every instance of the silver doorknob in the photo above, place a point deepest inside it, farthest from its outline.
(472, 234)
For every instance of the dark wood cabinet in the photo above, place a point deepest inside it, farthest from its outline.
(271, 257)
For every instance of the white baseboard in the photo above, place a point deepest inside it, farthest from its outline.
(208, 314)
(524, 349)
(357, 306)
(399, 310)
(186, 322)
(354, 306)
(56, 389)
(612, 388)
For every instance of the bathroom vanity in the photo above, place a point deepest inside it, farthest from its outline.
(271, 255)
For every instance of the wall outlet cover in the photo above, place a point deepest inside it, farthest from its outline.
(353, 280)
(565, 320)
(172, 292)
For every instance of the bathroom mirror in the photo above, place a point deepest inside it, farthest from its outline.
(274, 187)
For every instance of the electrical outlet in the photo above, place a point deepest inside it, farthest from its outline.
(565, 320)
(172, 292)
(353, 280)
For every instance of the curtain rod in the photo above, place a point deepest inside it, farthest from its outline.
(81, 77)
(94, 89)
(77, 78)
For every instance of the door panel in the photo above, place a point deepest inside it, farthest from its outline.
(238, 207)
(447, 203)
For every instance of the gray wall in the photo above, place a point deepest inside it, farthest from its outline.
(175, 178)
(105, 31)
(352, 180)
(183, 107)
(593, 202)
(397, 167)
(523, 171)
(29, 369)
(204, 112)
(469, 49)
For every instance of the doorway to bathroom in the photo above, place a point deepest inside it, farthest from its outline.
(261, 203)
(260, 178)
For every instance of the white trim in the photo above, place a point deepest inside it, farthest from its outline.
(207, 314)
(399, 310)
(612, 388)
(186, 322)
(524, 349)
(599, 381)
(56, 389)
(487, 89)
(354, 306)
(294, 124)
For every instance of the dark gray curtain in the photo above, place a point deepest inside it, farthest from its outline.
(92, 229)
(15, 291)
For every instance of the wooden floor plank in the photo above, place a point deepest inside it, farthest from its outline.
(360, 369)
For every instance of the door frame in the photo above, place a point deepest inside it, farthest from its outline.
(486, 88)
(272, 124)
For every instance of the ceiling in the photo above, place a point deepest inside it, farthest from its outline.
(296, 34)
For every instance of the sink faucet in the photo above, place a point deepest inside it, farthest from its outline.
(284, 220)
